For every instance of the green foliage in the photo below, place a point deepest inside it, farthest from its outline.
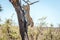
(0, 8)
(42, 21)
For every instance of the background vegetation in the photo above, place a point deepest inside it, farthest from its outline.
(8, 31)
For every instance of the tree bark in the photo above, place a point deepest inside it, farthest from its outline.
(21, 18)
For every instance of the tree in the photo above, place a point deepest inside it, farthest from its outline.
(42, 21)
(0, 8)
(21, 19)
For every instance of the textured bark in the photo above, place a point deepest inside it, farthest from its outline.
(21, 19)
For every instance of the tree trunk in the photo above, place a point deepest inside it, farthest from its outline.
(21, 19)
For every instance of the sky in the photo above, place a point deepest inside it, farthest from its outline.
(44, 8)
